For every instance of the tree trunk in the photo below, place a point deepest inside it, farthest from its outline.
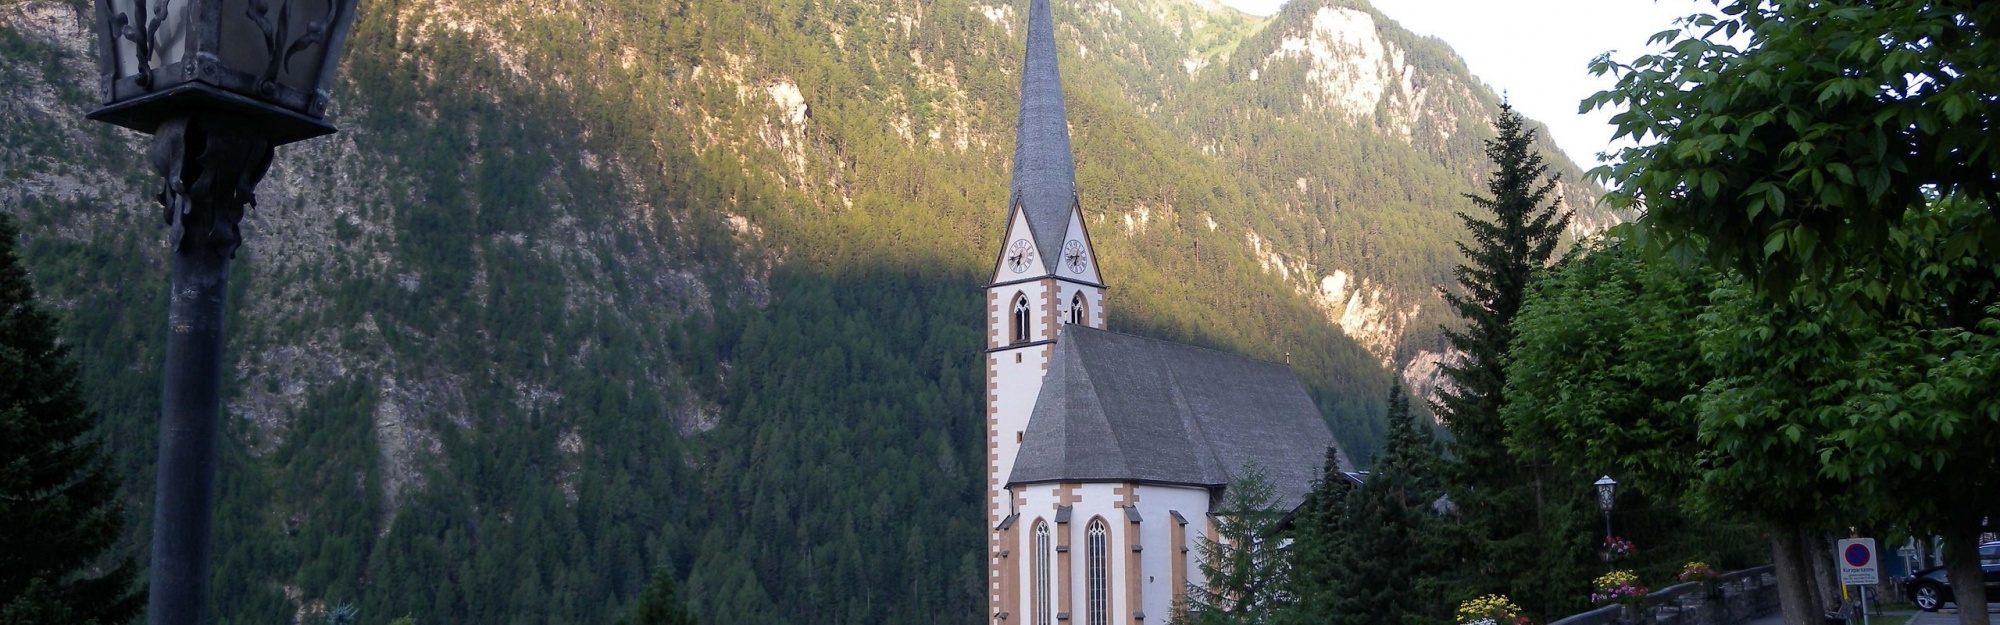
(1961, 558)
(1795, 588)
(1818, 548)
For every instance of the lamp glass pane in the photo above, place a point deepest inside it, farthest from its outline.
(170, 41)
(264, 47)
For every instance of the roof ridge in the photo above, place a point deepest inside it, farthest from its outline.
(1081, 374)
(1190, 425)
(1192, 346)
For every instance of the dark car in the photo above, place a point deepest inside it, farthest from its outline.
(1930, 589)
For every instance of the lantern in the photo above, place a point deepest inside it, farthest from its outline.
(268, 62)
(1606, 487)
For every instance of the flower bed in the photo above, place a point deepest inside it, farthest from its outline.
(1490, 610)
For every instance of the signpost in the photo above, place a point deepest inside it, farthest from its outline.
(1859, 566)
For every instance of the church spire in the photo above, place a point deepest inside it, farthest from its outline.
(1044, 171)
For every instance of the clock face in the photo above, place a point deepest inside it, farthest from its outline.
(1020, 255)
(1073, 254)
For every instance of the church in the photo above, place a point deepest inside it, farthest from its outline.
(1106, 451)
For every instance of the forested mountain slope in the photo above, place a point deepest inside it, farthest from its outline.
(588, 288)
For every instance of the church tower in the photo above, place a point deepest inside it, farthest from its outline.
(1044, 277)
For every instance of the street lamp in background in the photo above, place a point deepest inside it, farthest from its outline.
(219, 84)
(1607, 489)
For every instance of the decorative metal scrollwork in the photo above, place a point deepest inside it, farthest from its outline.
(144, 34)
(211, 172)
(276, 34)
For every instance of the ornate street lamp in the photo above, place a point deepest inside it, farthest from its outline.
(218, 83)
(1606, 489)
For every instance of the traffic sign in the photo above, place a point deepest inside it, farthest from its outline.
(1858, 564)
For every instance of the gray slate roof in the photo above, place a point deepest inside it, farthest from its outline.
(1044, 170)
(1116, 407)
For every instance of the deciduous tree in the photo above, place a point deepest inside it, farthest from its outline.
(1842, 159)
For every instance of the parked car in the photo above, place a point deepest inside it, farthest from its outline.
(1930, 588)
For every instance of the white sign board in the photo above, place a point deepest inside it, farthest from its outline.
(1859, 565)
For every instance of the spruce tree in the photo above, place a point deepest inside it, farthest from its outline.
(1372, 554)
(1244, 564)
(660, 604)
(1514, 237)
(1321, 532)
(59, 510)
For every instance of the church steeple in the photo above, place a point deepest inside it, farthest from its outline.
(1044, 171)
(1046, 277)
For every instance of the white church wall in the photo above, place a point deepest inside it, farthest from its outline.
(1080, 234)
(1155, 505)
(1014, 378)
(1017, 230)
(1093, 302)
(1154, 575)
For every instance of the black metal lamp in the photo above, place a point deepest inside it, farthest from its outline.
(219, 84)
(1607, 488)
(267, 61)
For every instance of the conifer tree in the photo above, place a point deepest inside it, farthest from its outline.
(1244, 563)
(1513, 239)
(660, 604)
(1371, 554)
(59, 510)
(1320, 530)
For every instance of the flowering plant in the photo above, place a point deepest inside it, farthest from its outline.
(1618, 587)
(1490, 610)
(1617, 548)
(1697, 572)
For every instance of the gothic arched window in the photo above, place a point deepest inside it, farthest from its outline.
(1021, 323)
(1044, 590)
(1077, 306)
(1100, 593)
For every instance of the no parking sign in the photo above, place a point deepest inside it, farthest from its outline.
(1858, 564)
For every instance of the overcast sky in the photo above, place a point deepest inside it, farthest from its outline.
(1537, 51)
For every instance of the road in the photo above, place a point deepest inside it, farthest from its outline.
(1941, 618)
(1920, 618)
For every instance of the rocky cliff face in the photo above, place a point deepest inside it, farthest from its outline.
(587, 289)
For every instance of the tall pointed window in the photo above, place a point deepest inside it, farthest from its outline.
(1100, 594)
(1077, 305)
(1044, 590)
(1021, 319)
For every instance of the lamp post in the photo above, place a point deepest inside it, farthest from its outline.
(1606, 489)
(219, 84)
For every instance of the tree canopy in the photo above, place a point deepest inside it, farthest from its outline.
(1798, 156)
(1841, 160)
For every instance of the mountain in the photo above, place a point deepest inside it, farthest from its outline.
(587, 289)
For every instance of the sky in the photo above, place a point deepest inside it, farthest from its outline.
(1537, 51)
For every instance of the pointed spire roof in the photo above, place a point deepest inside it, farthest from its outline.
(1044, 170)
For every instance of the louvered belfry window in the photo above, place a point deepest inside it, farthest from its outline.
(1100, 595)
(1021, 319)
